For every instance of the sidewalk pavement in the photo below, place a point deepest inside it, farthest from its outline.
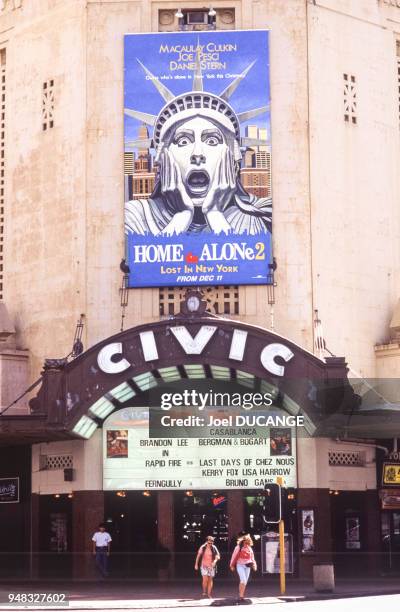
(132, 595)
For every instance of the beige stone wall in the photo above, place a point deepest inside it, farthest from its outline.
(87, 466)
(314, 469)
(354, 178)
(45, 243)
(65, 193)
(388, 361)
(335, 186)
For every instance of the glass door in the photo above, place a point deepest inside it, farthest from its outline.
(197, 515)
(390, 524)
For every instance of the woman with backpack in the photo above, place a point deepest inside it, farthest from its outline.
(207, 559)
(243, 561)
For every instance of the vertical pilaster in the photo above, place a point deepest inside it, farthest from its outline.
(373, 532)
(34, 559)
(319, 500)
(166, 534)
(87, 513)
(235, 513)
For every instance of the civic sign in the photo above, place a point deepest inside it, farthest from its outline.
(9, 490)
(198, 206)
(111, 361)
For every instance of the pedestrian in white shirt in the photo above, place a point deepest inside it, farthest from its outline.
(101, 549)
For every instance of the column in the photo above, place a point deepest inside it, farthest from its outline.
(235, 514)
(34, 562)
(87, 513)
(319, 501)
(373, 532)
(166, 534)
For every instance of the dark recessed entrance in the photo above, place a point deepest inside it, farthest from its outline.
(198, 514)
(390, 523)
(55, 544)
(349, 532)
(131, 518)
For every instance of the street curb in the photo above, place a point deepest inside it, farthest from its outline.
(135, 605)
(338, 595)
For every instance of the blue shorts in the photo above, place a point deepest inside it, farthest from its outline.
(244, 572)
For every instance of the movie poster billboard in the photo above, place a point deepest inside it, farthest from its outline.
(197, 159)
(221, 459)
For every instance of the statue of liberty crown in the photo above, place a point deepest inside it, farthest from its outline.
(192, 103)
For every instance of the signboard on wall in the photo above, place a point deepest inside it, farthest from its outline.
(58, 532)
(225, 458)
(197, 158)
(270, 553)
(391, 474)
(9, 490)
(390, 499)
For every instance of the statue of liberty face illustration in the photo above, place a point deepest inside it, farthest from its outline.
(198, 151)
(197, 148)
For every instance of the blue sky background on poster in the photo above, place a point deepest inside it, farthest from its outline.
(140, 93)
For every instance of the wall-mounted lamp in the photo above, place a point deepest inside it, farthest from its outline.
(212, 12)
(179, 14)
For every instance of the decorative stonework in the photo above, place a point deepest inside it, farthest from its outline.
(10, 5)
(227, 16)
(48, 105)
(392, 3)
(225, 19)
(220, 299)
(353, 458)
(166, 18)
(350, 98)
(56, 462)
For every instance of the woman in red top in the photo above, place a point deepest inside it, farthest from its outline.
(243, 561)
(207, 557)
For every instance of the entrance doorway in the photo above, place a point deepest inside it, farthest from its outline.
(131, 519)
(348, 510)
(55, 529)
(390, 523)
(197, 515)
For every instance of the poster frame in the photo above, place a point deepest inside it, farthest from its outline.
(307, 533)
(13, 501)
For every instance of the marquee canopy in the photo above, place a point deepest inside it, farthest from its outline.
(121, 370)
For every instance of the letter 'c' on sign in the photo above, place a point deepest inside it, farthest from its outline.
(104, 359)
(268, 355)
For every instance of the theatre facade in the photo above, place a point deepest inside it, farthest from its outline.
(250, 151)
(96, 454)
